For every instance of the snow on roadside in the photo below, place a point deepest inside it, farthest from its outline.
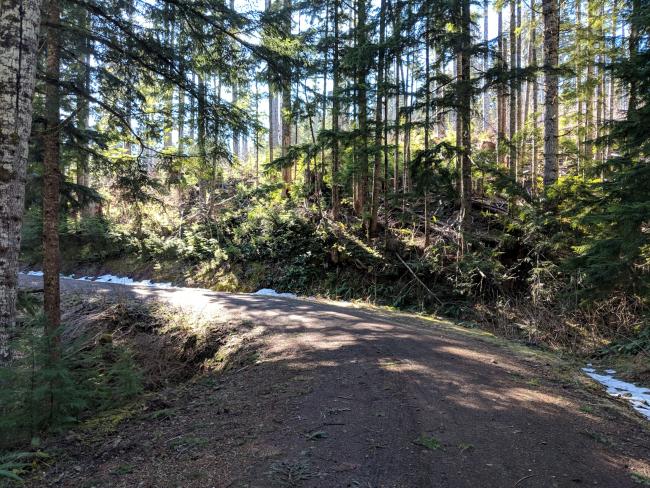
(125, 280)
(272, 293)
(108, 278)
(638, 397)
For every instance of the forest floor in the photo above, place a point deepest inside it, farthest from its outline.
(337, 395)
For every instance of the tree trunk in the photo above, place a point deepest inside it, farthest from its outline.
(465, 115)
(551, 14)
(376, 181)
(201, 133)
(286, 106)
(19, 24)
(486, 101)
(512, 146)
(51, 181)
(83, 114)
(501, 124)
(589, 86)
(634, 49)
(578, 68)
(362, 104)
(272, 105)
(533, 149)
(397, 124)
(336, 80)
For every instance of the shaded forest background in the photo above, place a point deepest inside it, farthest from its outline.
(392, 152)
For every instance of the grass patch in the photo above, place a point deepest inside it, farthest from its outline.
(641, 479)
(428, 442)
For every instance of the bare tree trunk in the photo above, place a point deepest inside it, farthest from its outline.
(321, 173)
(589, 88)
(19, 24)
(397, 124)
(257, 135)
(486, 100)
(201, 133)
(336, 82)
(376, 181)
(612, 81)
(578, 68)
(465, 116)
(272, 106)
(551, 14)
(362, 103)
(512, 163)
(533, 149)
(634, 48)
(51, 181)
(83, 114)
(286, 107)
(501, 124)
(427, 117)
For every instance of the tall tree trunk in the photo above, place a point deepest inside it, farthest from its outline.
(19, 24)
(634, 51)
(501, 123)
(579, 88)
(533, 149)
(273, 116)
(551, 14)
(512, 146)
(257, 134)
(465, 116)
(52, 180)
(336, 82)
(589, 85)
(83, 112)
(376, 180)
(518, 66)
(286, 106)
(320, 173)
(427, 116)
(362, 104)
(600, 88)
(486, 100)
(397, 125)
(201, 133)
(612, 81)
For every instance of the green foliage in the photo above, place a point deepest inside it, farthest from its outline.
(41, 393)
(429, 442)
(634, 345)
(88, 239)
(15, 464)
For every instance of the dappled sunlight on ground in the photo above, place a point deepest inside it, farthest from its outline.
(354, 388)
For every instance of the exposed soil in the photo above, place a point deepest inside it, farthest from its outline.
(339, 396)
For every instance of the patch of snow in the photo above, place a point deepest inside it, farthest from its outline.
(638, 397)
(108, 278)
(272, 293)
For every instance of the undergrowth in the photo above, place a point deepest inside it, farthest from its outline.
(113, 352)
(518, 275)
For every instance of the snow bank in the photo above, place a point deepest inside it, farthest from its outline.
(108, 278)
(638, 397)
(123, 280)
(272, 293)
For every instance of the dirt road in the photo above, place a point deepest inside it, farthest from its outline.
(348, 397)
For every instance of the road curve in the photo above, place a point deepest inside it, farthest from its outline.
(380, 385)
